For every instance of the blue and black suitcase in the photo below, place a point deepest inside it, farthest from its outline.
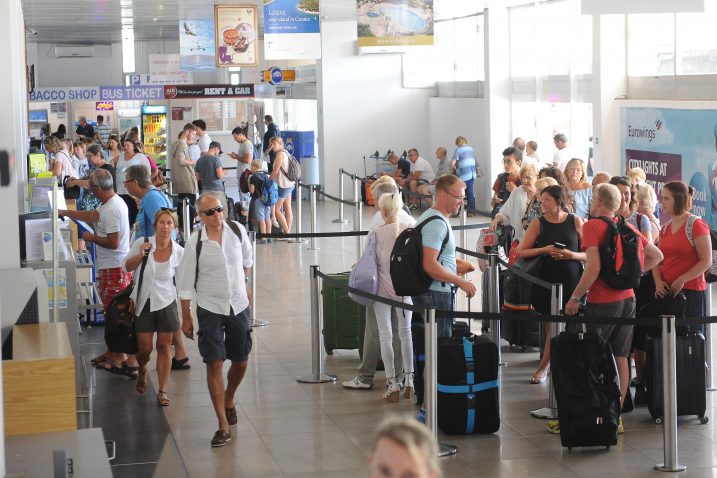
(468, 395)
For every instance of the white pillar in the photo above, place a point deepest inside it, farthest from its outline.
(497, 94)
(609, 82)
(13, 140)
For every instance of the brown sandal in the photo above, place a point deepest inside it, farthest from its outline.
(141, 380)
(163, 399)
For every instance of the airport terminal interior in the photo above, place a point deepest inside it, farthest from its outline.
(347, 84)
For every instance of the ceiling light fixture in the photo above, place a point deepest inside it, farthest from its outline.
(128, 65)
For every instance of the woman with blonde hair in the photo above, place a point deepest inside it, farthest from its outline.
(579, 189)
(403, 447)
(390, 206)
(465, 164)
(646, 204)
(62, 164)
(279, 175)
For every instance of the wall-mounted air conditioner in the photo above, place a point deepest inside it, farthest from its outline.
(74, 51)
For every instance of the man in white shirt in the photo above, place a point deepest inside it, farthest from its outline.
(564, 152)
(111, 236)
(219, 279)
(204, 138)
(421, 173)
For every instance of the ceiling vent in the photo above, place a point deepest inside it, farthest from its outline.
(74, 51)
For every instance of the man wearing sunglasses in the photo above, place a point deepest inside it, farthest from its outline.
(216, 264)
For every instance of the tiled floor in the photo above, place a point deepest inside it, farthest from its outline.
(288, 429)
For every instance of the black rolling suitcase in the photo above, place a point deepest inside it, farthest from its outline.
(587, 390)
(691, 384)
(468, 394)
(522, 335)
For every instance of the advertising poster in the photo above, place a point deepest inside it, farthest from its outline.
(394, 22)
(196, 45)
(62, 288)
(235, 30)
(291, 30)
(674, 144)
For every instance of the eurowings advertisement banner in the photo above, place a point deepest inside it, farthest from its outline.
(291, 30)
(674, 144)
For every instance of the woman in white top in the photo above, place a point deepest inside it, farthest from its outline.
(391, 206)
(515, 207)
(129, 157)
(281, 166)
(156, 300)
(62, 166)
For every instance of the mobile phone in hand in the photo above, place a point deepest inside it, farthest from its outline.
(559, 245)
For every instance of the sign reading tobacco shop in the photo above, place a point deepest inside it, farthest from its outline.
(208, 91)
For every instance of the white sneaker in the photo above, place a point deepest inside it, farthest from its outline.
(408, 388)
(275, 224)
(356, 384)
(392, 391)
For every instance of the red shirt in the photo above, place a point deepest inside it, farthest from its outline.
(496, 184)
(680, 255)
(594, 235)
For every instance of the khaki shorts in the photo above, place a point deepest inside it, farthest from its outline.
(162, 320)
(618, 336)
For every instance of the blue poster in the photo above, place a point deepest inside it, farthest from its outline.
(196, 45)
(674, 144)
(291, 29)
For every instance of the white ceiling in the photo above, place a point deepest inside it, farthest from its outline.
(98, 21)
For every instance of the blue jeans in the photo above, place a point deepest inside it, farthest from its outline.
(441, 301)
(470, 195)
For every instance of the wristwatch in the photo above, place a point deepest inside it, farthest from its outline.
(575, 299)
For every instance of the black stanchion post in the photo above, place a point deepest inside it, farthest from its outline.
(312, 243)
(556, 304)
(669, 396)
(430, 394)
(341, 219)
(317, 374)
(254, 321)
(494, 302)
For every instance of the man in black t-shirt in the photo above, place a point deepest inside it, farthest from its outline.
(85, 130)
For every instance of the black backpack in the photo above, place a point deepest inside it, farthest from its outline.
(406, 266)
(620, 265)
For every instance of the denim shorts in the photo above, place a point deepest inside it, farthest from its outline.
(222, 337)
(261, 212)
(285, 192)
(441, 301)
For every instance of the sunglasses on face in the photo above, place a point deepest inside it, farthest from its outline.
(170, 209)
(211, 211)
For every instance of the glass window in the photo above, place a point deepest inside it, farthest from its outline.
(651, 44)
(457, 55)
(696, 47)
(554, 37)
(523, 44)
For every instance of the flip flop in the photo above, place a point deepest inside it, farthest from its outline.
(104, 358)
(141, 385)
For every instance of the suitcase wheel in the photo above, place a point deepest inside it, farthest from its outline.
(658, 420)
(703, 419)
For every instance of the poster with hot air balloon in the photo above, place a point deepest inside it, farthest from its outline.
(236, 35)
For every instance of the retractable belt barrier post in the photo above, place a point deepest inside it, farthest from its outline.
(430, 399)
(710, 385)
(317, 374)
(186, 227)
(312, 243)
(297, 219)
(464, 232)
(358, 212)
(254, 321)
(669, 394)
(494, 302)
(341, 219)
(556, 303)
(55, 259)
